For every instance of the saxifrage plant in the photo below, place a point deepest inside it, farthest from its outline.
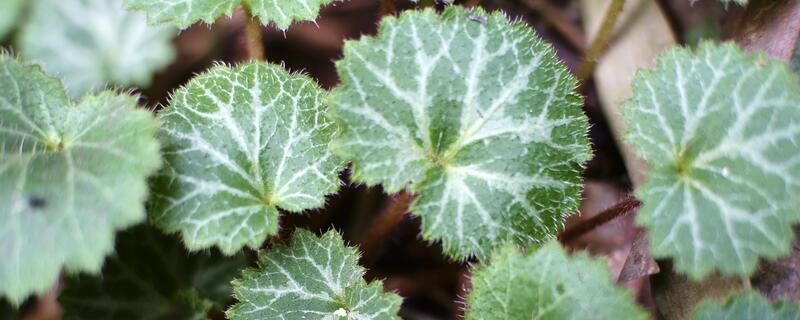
(469, 111)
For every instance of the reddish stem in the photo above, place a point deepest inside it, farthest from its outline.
(627, 205)
(387, 220)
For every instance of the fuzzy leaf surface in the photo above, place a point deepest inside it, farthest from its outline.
(93, 44)
(547, 284)
(70, 176)
(749, 305)
(721, 129)
(474, 113)
(184, 13)
(240, 143)
(155, 278)
(312, 278)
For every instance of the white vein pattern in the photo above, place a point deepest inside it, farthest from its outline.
(239, 143)
(476, 114)
(70, 176)
(722, 131)
(94, 44)
(547, 284)
(313, 278)
(183, 13)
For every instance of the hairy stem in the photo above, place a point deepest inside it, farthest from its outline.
(253, 36)
(390, 217)
(600, 42)
(627, 205)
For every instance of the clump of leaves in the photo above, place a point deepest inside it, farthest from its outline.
(312, 278)
(747, 305)
(70, 176)
(184, 13)
(547, 284)
(240, 143)
(94, 43)
(155, 277)
(720, 128)
(472, 112)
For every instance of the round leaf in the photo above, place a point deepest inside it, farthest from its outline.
(70, 175)
(547, 284)
(95, 43)
(314, 278)
(749, 305)
(239, 143)
(721, 129)
(475, 114)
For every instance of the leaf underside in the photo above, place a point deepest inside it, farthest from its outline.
(70, 175)
(155, 278)
(184, 13)
(93, 44)
(547, 284)
(749, 305)
(721, 130)
(472, 111)
(313, 278)
(238, 144)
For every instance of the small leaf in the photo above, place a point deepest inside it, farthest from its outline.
(547, 284)
(474, 113)
(313, 278)
(155, 278)
(239, 143)
(70, 175)
(9, 14)
(184, 13)
(95, 43)
(721, 130)
(749, 305)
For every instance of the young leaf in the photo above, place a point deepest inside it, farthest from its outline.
(313, 278)
(155, 278)
(9, 14)
(95, 43)
(239, 143)
(547, 284)
(746, 306)
(184, 13)
(472, 111)
(721, 129)
(70, 175)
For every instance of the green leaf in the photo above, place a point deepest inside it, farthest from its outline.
(184, 13)
(9, 14)
(92, 44)
(749, 305)
(313, 278)
(239, 143)
(547, 284)
(151, 276)
(70, 175)
(474, 113)
(721, 130)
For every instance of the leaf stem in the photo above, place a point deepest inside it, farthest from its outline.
(600, 42)
(627, 205)
(253, 36)
(390, 217)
